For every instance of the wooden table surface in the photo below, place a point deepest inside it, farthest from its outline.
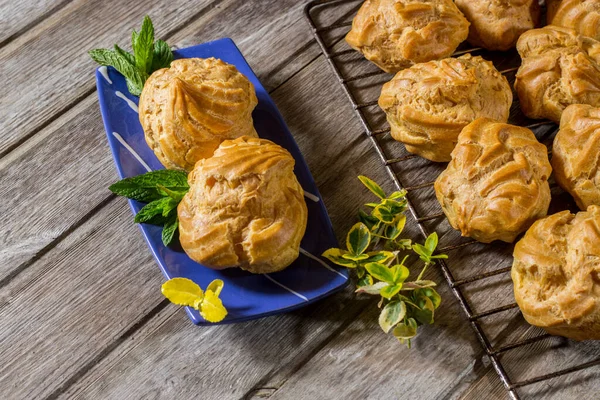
(81, 313)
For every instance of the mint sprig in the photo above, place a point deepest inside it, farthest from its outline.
(162, 190)
(148, 56)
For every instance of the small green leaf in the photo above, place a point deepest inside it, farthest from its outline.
(162, 206)
(383, 214)
(431, 294)
(358, 239)
(125, 54)
(379, 256)
(431, 242)
(393, 231)
(369, 221)
(381, 272)
(424, 314)
(108, 57)
(372, 186)
(176, 195)
(336, 257)
(143, 46)
(144, 187)
(373, 289)
(422, 251)
(360, 272)
(163, 56)
(400, 273)
(399, 195)
(405, 331)
(390, 291)
(366, 280)
(168, 232)
(391, 315)
(352, 257)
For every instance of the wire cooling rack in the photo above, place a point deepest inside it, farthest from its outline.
(362, 83)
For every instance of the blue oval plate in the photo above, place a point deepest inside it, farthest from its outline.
(246, 296)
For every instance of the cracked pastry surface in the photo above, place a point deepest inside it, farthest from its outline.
(496, 185)
(395, 34)
(427, 105)
(556, 274)
(581, 15)
(576, 154)
(497, 24)
(187, 110)
(245, 208)
(559, 68)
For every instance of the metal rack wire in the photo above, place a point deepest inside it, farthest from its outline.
(343, 24)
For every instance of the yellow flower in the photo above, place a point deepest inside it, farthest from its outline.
(212, 308)
(184, 292)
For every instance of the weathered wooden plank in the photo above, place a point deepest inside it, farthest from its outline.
(17, 17)
(80, 302)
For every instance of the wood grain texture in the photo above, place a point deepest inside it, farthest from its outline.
(16, 17)
(83, 317)
(80, 301)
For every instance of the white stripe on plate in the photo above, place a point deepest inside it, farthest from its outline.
(132, 151)
(285, 287)
(104, 73)
(311, 196)
(130, 103)
(323, 263)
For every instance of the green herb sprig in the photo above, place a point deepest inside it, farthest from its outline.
(148, 56)
(373, 251)
(162, 190)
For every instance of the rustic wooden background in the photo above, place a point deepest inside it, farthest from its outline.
(81, 314)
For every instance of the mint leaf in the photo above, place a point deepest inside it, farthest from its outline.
(125, 54)
(151, 186)
(143, 46)
(135, 79)
(174, 194)
(162, 207)
(163, 56)
(169, 229)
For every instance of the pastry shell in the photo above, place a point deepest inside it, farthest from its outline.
(245, 208)
(187, 110)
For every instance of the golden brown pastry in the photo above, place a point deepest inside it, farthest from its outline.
(497, 24)
(427, 105)
(581, 15)
(394, 34)
(575, 154)
(559, 68)
(245, 208)
(496, 185)
(187, 110)
(556, 274)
